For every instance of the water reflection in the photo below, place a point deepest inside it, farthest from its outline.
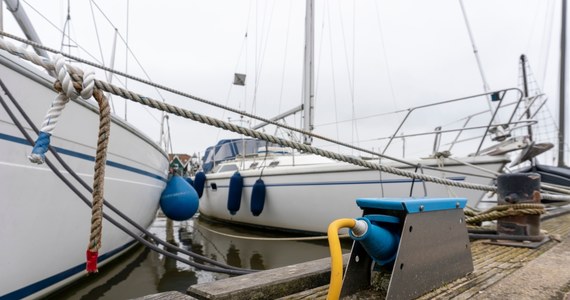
(143, 272)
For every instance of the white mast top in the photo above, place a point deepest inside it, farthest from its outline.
(308, 72)
(22, 18)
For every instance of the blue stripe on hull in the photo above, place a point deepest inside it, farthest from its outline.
(387, 181)
(47, 282)
(86, 157)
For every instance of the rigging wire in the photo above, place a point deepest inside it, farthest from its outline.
(385, 55)
(547, 37)
(205, 101)
(127, 54)
(220, 267)
(244, 48)
(334, 94)
(273, 239)
(349, 72)
(93, 56)
(353, 79)
(264, 42)
(285, 56)
(96, 32)
(99, 43)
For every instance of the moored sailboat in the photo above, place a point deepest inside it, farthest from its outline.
(44, 225)
(302, 192)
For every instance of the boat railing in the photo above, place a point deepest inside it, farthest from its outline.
(514, 114)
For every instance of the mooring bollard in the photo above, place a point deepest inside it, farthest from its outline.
(520, 191)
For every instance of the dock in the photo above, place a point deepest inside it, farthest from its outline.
(500, 272)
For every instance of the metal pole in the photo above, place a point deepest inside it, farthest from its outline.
(562, 106)
(525, 90)
(476, 53)
(308, 87)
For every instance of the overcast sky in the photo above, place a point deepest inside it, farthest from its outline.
(371, 56)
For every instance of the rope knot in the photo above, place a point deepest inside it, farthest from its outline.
(441, 154)
(64, 78)
(71, 84)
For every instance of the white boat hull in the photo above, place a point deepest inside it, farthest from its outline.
(44, 226)
(309, 198)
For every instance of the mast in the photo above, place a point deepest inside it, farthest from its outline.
(525, 92)
(308, 72)
(562, 106)
(15, 7)
(486, 88)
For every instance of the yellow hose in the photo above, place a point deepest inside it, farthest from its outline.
(336, 256)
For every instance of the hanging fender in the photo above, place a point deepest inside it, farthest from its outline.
(234, 193)
(258, 197)
(179, 201)
(199, 182)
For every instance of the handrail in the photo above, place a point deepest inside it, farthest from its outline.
(524, 122)
(501, 93)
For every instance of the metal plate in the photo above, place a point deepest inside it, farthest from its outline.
(434, 250)
(358, 270)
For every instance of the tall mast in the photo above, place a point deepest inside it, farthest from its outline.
(476, 53)
(308, 72)
(22, 18)
(562, 106)
(525, 92)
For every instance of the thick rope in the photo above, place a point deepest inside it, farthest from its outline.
(283, 142)
(28, 55)
(48, 66)
(84, 86)
(66, 92)
(99, 177)
(501, 211)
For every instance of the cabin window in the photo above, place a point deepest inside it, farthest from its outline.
(274, 163)
(254, 165)
(228, 168)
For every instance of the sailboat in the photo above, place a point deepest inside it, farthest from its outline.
(44, 225)
(253, 183)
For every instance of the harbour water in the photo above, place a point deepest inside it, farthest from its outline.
(142, 272)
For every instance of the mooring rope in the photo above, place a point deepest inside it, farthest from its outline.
(66, 92)
(21, 52)
(217, 267)
(273, 139)
(67, 89)
(86, 90)
(507, 210)
(32, 57)
(274, 239)
(99, 178)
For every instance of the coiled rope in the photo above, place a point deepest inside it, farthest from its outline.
(501, 211)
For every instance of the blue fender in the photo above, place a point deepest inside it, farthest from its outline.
(234, 193)
(258, 197)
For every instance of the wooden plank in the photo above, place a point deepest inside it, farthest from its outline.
(269, 284)
(173, 295)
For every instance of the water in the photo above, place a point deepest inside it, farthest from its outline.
(142, 272)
